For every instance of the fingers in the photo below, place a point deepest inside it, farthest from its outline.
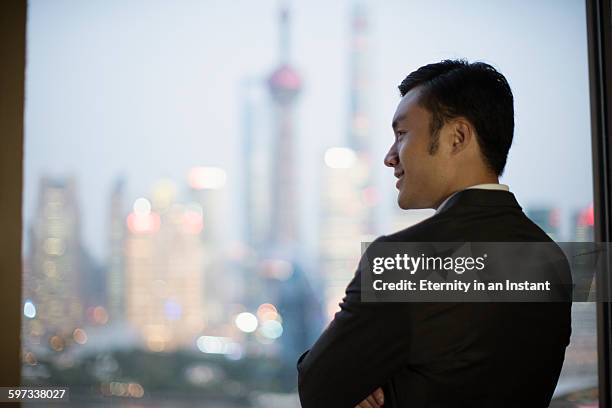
(374, 400)
(379, 396)
(369, 402)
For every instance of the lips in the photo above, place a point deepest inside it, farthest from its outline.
(399, 174)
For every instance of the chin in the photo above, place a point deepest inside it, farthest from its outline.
(404, 202)
(409, 203)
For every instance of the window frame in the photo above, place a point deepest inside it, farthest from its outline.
(599, 28)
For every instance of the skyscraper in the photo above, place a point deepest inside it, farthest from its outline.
(284, 84)
(292, 292)
(164, 272)
(53, 303)
(256, 193)
(348, 191)
(221, 283)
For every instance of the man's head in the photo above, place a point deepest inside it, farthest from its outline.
(453, 128)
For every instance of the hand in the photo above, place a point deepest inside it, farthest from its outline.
(374, 400)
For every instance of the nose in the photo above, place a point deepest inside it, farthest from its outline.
(391, 158)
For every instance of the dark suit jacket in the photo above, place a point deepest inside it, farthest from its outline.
(438, 355)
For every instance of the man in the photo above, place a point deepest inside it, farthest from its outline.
(453, 129)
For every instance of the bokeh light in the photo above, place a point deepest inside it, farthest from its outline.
(29, 310)
(246, 322)
(339, 157)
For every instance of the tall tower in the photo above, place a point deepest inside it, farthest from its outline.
(359, 123)
(292, 292)
(348, 195)
(284, 84)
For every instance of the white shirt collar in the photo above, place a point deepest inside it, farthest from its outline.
(485, 186)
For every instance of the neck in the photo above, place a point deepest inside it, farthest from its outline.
(467, 182)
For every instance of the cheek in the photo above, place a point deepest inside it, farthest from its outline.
(410, 159)
(419, 168)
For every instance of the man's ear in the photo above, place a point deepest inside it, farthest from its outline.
(462, 134)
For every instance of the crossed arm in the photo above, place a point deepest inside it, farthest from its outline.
(360, 350)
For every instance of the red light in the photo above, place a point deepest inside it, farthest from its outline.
(587, 217)
(143, 223)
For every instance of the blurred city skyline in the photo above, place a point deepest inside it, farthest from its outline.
(148, 90)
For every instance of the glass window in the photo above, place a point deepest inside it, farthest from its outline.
(199, 178)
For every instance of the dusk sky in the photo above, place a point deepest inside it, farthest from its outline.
(147, 89)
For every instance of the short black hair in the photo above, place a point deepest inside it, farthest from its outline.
(476, 91)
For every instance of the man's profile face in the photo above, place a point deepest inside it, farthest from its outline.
(421, 170)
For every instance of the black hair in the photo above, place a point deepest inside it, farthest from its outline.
(476, 91)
